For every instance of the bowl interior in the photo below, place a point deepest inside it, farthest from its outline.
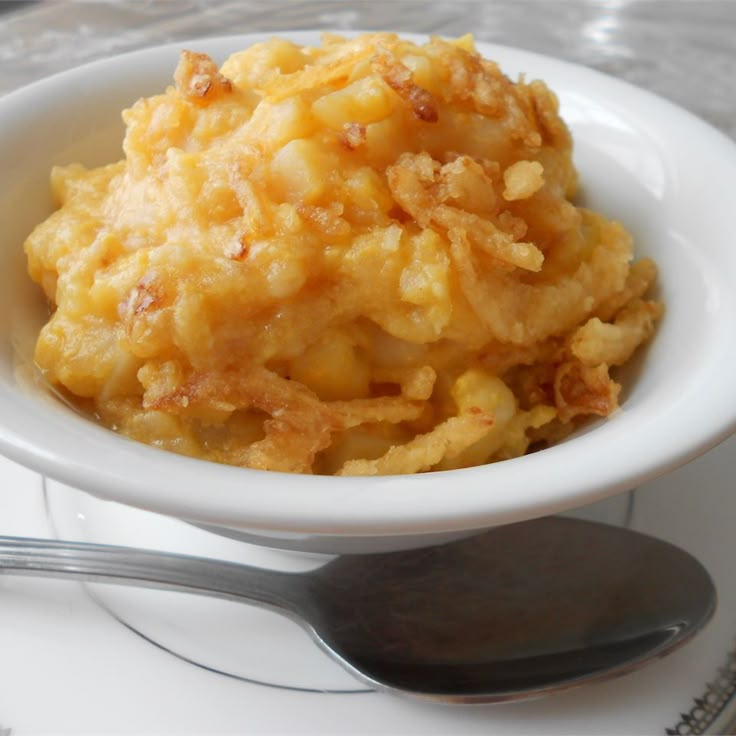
(635, 167)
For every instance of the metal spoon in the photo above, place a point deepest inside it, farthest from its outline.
(520, 611)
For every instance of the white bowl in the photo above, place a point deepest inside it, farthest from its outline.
(668, 176)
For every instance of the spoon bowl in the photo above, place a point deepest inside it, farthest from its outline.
(521, 611)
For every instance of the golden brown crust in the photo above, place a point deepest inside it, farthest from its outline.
(353, 135)
(397, 76)
(585, 390)
(198, 79)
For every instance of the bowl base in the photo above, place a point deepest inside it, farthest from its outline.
(233, 639)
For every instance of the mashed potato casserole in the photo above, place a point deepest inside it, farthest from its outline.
(361, 259)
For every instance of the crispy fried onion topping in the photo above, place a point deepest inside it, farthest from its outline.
(430, 192)
(399, 77)
(446, 440)
(198, 78)
(299, 425)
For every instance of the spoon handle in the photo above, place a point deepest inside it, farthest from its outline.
(99, 563)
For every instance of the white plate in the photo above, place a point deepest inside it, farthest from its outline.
(93, 674)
